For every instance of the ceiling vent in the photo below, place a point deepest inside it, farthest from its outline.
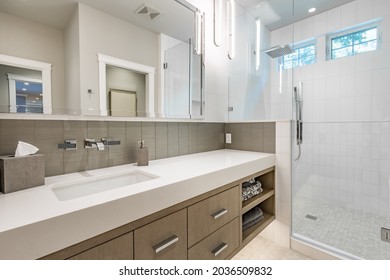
(147, 12)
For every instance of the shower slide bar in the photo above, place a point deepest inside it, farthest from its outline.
(298, 100)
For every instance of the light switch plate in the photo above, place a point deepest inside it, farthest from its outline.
(228, 138)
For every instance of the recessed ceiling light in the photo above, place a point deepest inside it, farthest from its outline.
(24, 89)
(312, 10)
(26, 83)
(37, 98)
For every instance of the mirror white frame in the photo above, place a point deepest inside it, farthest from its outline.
(149, 72)
(45, 68)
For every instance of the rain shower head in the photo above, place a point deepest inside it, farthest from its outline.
(279, 51)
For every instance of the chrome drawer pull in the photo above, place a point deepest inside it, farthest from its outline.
(219, 213)
(166, 243)
(219, 249)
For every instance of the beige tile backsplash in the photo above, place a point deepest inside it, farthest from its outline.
(164, 139)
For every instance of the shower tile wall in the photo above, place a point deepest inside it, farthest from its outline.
(163, 139)
(346, 113)
(346, 165)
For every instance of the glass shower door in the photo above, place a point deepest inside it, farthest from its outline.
(177, 81)
(341, 182)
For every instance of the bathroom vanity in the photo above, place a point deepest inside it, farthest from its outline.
(190, 208)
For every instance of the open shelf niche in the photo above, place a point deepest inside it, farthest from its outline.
(265, 200)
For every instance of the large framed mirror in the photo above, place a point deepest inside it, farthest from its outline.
(70, 36)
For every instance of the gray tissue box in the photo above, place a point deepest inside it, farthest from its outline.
(19, 173)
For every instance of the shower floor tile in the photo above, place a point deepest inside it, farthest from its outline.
(351, 231)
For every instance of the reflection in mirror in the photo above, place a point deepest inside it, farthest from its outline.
(25, 86)
(181, 64)
(69, 35)
(126, 88)
(126, 92)
(25, 94)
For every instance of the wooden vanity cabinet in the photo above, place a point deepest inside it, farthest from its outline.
(208, 226)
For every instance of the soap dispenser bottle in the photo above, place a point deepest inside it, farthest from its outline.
(143, 154)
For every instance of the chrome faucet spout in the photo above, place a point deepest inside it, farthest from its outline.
(90, 143)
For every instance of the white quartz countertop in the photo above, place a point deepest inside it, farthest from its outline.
(34, 223)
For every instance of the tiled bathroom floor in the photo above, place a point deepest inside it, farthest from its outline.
(263, 249)
(347, 230)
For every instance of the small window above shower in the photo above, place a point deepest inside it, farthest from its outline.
(353, 40)
(304, 53)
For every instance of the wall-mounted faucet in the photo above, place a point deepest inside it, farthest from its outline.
(91, 143)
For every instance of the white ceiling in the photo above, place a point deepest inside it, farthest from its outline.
(278, 13)
(56, 13)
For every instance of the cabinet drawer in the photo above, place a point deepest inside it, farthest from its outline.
(120, 248)
(219, 245)
(212, 213)
(163, 239)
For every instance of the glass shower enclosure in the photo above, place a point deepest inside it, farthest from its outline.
(341, 161)
(327, 71)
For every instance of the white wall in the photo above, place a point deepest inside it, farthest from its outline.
(102, 33)
(72, 65)
(30, 40)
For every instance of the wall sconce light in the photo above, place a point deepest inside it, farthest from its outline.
(218, 22)
(258, 38)
(280, 77)
(231, 18)
(198, 33)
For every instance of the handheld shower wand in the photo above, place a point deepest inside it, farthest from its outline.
(298, 99)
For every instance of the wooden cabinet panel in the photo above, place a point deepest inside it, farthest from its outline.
(165, 238)
(219, 245)
(212, 213)
(120, 248)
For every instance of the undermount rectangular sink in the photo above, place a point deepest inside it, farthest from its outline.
(97, 184)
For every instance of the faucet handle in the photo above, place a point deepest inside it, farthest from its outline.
(70, 144)
(109, 142)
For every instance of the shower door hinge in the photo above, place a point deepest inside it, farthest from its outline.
(230, 109)
(165, 65)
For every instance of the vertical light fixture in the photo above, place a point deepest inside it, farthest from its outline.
(231, 25)
(198, 33)
(218, 22)
(258, 34)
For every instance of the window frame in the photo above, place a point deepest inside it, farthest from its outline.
(352, 31)
(298, 46)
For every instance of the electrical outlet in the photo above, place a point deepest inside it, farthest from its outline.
(228, 138)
